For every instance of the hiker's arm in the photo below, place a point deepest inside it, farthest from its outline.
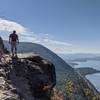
(18, 39)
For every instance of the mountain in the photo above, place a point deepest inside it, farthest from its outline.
(87, 71)
(80, 57)
(61, 66)
(69, 82)
(26, 47)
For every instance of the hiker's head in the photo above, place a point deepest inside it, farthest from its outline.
(14, 32)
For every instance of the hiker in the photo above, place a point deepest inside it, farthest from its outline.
(13, 40)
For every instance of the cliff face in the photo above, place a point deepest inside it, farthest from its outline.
(26, 78)
(1, 44)
(2, 47)
(7, 90)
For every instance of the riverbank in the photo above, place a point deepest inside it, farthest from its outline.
(83, 72)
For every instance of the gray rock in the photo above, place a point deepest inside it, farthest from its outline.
(1, 44)
(25, 78)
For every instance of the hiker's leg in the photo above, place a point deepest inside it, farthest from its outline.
(15, 49)
(12, 49)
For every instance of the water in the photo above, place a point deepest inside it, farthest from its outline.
(94, 78)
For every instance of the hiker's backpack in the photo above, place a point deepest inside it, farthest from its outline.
(13, 37)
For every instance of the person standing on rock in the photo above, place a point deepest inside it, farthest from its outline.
(13, 40)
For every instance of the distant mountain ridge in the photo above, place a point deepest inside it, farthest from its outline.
(28, 47)
(62, 68)
(80, 56)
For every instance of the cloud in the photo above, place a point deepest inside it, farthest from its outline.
(55, 42)
(41, 38)
(9, 26)
(44, 39)
(48, 41)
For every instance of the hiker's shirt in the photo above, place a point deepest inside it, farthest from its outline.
(14, 38)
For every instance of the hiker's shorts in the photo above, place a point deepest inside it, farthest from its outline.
(13, 44)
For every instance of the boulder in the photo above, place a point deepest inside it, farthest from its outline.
(27, 78)
(1, 44)
(2, 47)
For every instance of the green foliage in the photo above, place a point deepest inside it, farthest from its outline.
(91, 95)
(57, 95)
(72, 89)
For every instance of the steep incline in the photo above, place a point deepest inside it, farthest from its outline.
(63, 70)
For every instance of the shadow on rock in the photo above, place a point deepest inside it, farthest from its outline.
(33, 77)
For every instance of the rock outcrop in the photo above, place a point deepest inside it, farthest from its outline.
(2, 47)
(1, 44)
(7, 90)
(25, 79)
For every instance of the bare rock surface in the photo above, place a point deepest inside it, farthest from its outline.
(24, 78)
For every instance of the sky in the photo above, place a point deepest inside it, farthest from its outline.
(64, 26)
